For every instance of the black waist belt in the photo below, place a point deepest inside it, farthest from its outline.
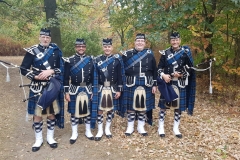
(107, 84)
(140, 74)
(82, 84)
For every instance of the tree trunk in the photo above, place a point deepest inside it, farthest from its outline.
(50, 9)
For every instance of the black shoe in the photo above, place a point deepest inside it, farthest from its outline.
(179, 135)
(35, 149)
(128, 134)
(72, 141)
(162, 135)
(98, 138)
(144, 134)
(90, 138)
(109, 136)
(54, 145)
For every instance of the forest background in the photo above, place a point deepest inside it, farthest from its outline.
(210, 27)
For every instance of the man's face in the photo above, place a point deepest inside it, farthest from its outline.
(80, 49)
(139, 44)
(44, 40)
(175, 43)
(107, 49)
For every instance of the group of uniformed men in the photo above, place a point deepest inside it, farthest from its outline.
(110, 83)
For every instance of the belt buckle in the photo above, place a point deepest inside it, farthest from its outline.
(83, 84)
(142, 74)
(107, 84)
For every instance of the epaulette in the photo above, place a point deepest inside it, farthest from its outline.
(30, 49)
(66, 59)
(126, 52)
(186, 49)
(162, 52)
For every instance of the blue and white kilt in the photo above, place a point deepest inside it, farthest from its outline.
(182, 98)
(129, 94)
(72, 103)
(116, 102)
(32, 104)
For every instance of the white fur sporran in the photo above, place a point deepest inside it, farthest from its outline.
(81, 107)
(106, 102)
(38, 110)
(139, 99)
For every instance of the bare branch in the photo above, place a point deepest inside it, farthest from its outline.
(6, 3)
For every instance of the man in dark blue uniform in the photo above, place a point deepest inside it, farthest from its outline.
(139, 92)
(173, 71)
(80, 94)
(110, 81)
(47, 57)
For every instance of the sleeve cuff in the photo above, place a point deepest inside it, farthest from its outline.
(154, 82)
(57, 71)
(119, 88)
(30, 75)
(66, 89)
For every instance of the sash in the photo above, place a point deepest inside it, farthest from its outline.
(80, 65)
(42, 58)
(136, 58)
(174, 57)
(103, 64)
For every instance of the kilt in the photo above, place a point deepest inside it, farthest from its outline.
(182, 98)
(32, 104)
(116, 102)
(72, 103)
(129, 93)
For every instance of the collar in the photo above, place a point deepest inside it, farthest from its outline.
(180, 47)
(42, 47)
(80, 56)
(105, 56)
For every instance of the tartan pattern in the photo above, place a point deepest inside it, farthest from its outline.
(175, 57)
(128, 94)
(32, 103)
(187, 94)
(136, 58)
(191, 87)
(52, 47)
(94, 98)
(106, 62)
(78, 66)
(182, 98)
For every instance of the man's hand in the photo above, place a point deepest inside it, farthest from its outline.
(166, 78)
(154, 89)
(67, 97)
(177, 74)
(117, 95)
(44, 74)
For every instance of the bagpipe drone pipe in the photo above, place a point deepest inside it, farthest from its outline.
(48, 90)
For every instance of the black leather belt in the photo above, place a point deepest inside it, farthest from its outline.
(140, 74)
(107, 84)
(82, 84)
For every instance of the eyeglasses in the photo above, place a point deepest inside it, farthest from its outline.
(80, 46)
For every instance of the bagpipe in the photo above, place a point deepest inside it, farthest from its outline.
(171, 92)
(48, 90)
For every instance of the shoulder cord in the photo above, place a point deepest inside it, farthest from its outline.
(8, 80)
